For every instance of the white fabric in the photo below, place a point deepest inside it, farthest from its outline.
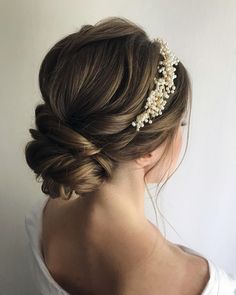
(220, 282)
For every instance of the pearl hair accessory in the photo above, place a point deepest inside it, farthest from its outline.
(164, 86)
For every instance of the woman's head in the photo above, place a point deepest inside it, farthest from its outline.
(94, 82)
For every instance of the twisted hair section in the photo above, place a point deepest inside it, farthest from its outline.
(65, 159)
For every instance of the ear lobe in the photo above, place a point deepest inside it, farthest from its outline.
(145, 160)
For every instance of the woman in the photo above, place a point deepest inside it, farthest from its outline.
(98, 141)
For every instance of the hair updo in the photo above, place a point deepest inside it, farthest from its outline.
(93, 83)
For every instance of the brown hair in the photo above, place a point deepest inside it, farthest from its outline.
(94, 82)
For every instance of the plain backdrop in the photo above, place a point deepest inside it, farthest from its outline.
(199, 201)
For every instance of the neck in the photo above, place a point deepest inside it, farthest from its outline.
(123, 196)
(114, 226)
(117, 209)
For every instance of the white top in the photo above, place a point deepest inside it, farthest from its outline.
(220, 282)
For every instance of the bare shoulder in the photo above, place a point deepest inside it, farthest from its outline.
(197, 273)
(187, 274)
(66, 252)
(198, 265)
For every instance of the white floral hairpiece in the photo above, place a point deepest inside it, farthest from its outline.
(164, 86)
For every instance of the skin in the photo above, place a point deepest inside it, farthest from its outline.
(104, 244)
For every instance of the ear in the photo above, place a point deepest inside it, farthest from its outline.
(151, 157)
(147, 159)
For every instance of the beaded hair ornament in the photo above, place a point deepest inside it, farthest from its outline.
(164, 86)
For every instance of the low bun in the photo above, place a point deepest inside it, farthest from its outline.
(65, 160)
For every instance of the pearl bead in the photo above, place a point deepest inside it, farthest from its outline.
(164, 85)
